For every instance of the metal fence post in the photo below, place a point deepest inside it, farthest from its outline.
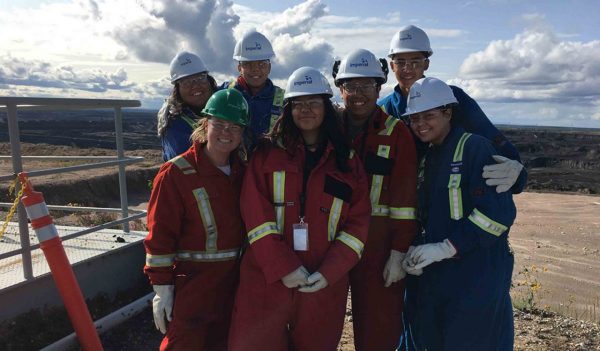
(15, 150)
(122, 174)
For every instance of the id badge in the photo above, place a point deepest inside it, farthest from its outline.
(300, 236)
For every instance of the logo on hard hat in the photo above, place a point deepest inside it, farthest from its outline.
(186, 62)
(416, 95)
(256, 46)
(363, 63)
(307, 80)
(407, 37)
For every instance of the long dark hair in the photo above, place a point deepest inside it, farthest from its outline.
(175, 101)
(287, 135)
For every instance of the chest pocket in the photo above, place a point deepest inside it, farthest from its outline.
(339, 193)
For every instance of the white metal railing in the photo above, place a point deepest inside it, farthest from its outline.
(11, 105)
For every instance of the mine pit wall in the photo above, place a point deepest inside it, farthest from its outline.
(115, 271)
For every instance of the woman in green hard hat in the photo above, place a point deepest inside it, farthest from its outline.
(196, 232)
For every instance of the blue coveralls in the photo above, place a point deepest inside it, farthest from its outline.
(469, 116)
(176, 137)
(462, 303)
(265, 108)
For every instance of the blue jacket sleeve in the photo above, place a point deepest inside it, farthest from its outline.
(471, 117)
(491, 214)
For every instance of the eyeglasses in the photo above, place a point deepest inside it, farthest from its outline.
(188, 82)
(313, 105)
(262, 64)
(426, 116)
(221, 127)
(413, 63)
(352, 89)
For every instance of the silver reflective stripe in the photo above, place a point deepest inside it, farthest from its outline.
(455, 197)
(203, 256)
(377, 182)
(208, 219)
(334, 217)
(262, 231)
(160, 260)
(183, 165)
(403, 213)
(380, 210)
(352, 242)
(487, 224)
(36, 211)
(46, 232)
(278, 198)
(390, 123)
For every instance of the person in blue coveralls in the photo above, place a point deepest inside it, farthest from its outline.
(409, 54)
(462, 257)
(254, 52)
(179, 115)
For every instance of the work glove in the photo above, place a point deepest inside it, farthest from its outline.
(316, 282)
(162, 306)
(503, 175)
(296, 278)
(393, 271)
(424, 255)
(407, 263)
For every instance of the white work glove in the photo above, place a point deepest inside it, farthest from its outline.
(297, 278)
(316, 282)
(393, 271)
(162, 306)
(503, 175)
(407, 263)
(424, 255)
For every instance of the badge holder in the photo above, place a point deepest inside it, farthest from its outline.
(300, 235)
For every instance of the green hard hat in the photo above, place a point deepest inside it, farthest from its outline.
(228, 104)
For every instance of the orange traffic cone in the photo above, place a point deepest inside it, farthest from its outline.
(62, 272)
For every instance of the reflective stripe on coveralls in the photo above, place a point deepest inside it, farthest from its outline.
(352, 242)
(486, 224)
(379, 210)
(390, 123)
(183, 165)
(334, 217)
(193, 124)
(262, 231)
(454, 191)
(278, 198)
(277, 102)
(208, 219)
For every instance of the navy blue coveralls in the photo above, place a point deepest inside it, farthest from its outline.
(265, 107)
(176, 137)
(462, 303)
(468, 115)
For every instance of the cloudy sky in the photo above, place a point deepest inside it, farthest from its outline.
(533, 62)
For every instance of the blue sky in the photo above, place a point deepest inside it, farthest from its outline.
(525, 62)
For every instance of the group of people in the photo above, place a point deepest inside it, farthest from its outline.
(272, 204)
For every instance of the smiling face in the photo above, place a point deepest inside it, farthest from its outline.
(408, 67)
(223, 136)
(255, 73)
(308, 113)
(195, 90)
(360, 98)
(431, 126)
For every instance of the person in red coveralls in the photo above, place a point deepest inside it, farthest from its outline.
(306, 207)
(386, 148)
(196, 231)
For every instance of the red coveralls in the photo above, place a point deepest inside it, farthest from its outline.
(194, 239)
(268, 316)
(388, 153)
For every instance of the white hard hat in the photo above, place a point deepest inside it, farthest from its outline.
(360, 63)
(253, 47)
(307, 81)
(410, 39)
(185, 64)
(428, 93)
